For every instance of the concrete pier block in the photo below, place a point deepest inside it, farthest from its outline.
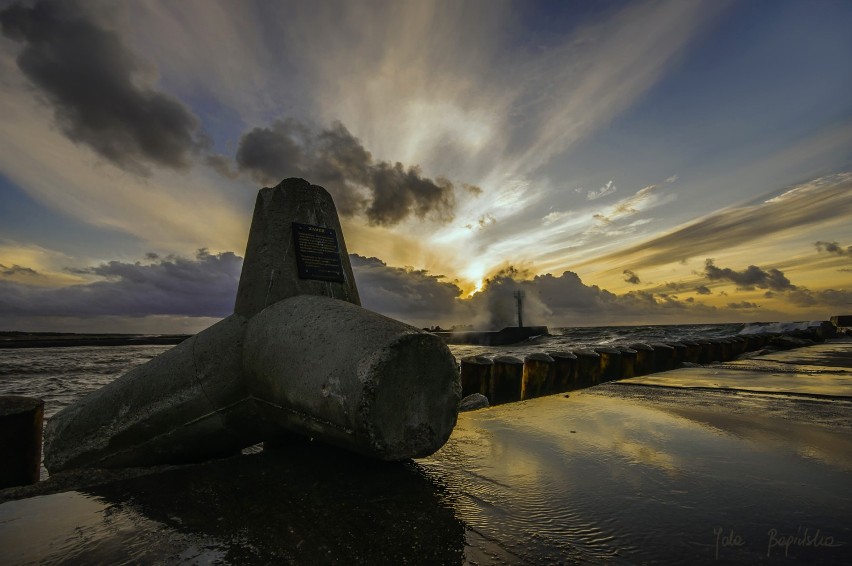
(709, 351)
(644, 359)
(539, 376)
(628, 361)
(679, 353)
(476, 375)
(21, 420)
(693, 351)
(738, 344)
(588, 367)
(566, 371)
(506, 378)
(610, 363)
(187, 404)
(330, 370)
(663, 357)
(271, 269)
(825, 330)
(726, 349)
(752, 342)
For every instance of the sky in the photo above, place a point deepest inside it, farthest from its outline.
(656, 162)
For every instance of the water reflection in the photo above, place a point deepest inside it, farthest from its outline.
(610, 475)
(603, 479)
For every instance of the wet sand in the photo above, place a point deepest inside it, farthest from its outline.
(744, 463)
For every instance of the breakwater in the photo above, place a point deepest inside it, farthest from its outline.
(505, 378)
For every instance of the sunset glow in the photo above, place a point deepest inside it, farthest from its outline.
(623, 162)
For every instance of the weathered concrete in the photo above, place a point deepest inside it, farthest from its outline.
(680, 351)
(610, 363)
(333, 371)
(506, 378)
(693, 351)
(313, 363)
(270, 271)
(628, 361)
(539, 376)
(588, 367)
(188, 404)
(644, 359)
(21, 420)
(476, 375)
(663, 356)
(566, 371)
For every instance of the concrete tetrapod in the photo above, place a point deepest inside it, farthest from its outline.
(188, 404)
(298, 355)
(333, 371)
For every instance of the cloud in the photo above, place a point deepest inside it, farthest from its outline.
(17, 270)
(411, 295)
(672, 179)
(565, 300)
(98, 89)
(743, 305)
(607, 189)
(703, 290)
(386, 193)
(204, 286)
(834, 298)
(833, 248)
(816, 203)
(750, 278)
(631, 277)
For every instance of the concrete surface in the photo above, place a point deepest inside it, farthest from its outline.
(188, 404)
(333, 371)
(270, 272)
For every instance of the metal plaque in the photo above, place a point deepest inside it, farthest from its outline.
(317, 253)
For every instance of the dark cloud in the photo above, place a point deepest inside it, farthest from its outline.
(743, 305)
(631, 277)
(412, 295)
(752, 277)
(703, 290)
(204, 286)
(18, 270)
(94, 84)
(833, 248)
(566, 300)
(834, 298)
(386, 193)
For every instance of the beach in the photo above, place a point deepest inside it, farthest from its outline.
(743, 462)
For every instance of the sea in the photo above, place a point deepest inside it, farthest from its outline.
(60, 376)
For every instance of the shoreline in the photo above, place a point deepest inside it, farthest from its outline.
(10, 340)
(734, 448)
